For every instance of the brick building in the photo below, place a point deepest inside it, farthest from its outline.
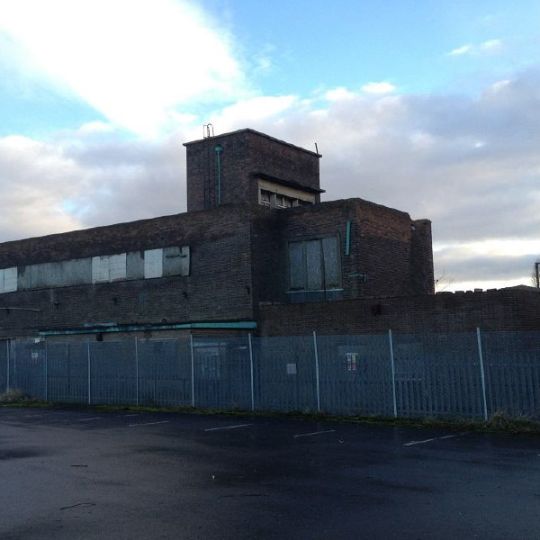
(256, 251)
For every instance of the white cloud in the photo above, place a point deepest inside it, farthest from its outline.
(35, 178)
(338, 94)
(95, 127)
(449, 285)
(82, 180)
(136, 62)
(459, 51)
(382, 87)
(252, 111)
(500, 85)
(490, 46)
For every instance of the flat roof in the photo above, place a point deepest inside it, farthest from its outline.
(255, 132)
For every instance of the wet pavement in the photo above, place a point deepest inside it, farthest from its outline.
(70, 474)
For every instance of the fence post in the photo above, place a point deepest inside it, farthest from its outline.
(8, 354)
(89, 365)
(393, 368)
(46, 373)
(251, 372)
(317, 380)
(136, 370)
(192, 371)
(482, 373)
(14, 367)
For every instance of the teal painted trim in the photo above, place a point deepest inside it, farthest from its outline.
(348, 238)
(239, 325)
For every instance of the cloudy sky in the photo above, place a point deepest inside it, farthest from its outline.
(432, 107)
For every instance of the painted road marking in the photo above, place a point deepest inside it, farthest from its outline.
(33, 415)
(128, 415)
(149, 423)
(298, 435)
(89, 419)
(228, 427)
(412, 443)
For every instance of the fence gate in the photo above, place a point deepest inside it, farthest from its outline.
(222, 373)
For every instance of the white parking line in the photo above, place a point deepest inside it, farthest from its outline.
(149, 423)
(228, 427)
(89, 419)
(412, 443)
(313, 433)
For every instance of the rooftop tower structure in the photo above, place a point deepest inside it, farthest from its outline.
(248, 166)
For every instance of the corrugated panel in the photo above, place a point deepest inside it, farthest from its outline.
(117, 267)
(153, 263)
(108, 268)
(100, 269)
(56, 274)
(10, 279)
(176, 261)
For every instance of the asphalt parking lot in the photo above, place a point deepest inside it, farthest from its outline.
(70, 474)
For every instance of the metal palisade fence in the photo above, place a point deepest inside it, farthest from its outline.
(465, 375)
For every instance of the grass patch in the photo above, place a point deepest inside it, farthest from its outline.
(17, 398)
(498, 423)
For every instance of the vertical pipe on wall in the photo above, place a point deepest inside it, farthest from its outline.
(136, 370)
(8, 353)
(14, 367)
(393, 368)
(348, 238)
(317, 380)
(482, 373)
(89, 383)
(251, 372)
(192, 371)
(46, 367)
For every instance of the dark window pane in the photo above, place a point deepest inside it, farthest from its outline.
(265, 197)
(296, 266)
(331, 263)
(314, 265)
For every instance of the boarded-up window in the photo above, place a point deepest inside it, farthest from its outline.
(108, 268)
(117, 267)
(296, 266)
(332, 274)
(153, 263)
(8, 280)
(100, 269)
(314, 265)
(176, 261)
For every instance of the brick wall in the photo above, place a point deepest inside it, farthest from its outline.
(389, 253)
(244, 152)
(506, 309)
(219, 286)
(421, 264)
